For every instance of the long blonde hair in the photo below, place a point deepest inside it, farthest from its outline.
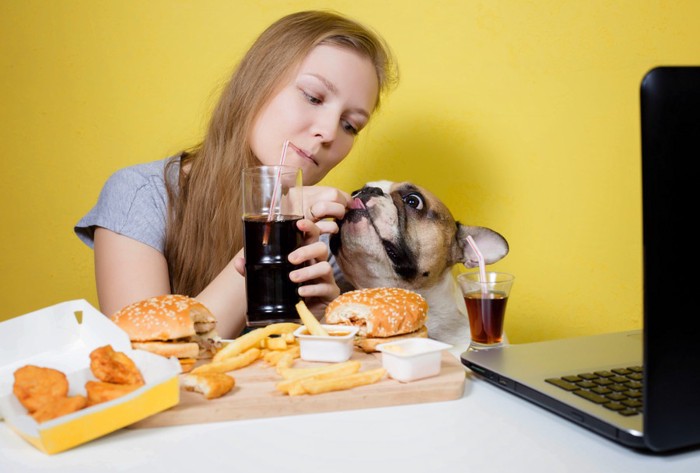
(204, 229)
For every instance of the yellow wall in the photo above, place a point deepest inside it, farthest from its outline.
(522, 116)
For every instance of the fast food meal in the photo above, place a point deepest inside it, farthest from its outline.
(36, 386)
(294, 377)
(44, 391)
(312, 324)
(278, 347)
(361, 378)
(253, 339)
(273, 357)
(101, 391)
(211, 385)
(171, 325)
(229, 364)
(114, 367)
(58, 407)
(382, 314)
(334, 377)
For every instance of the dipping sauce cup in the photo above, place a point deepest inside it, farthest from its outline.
(336, 347)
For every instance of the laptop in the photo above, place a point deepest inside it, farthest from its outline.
(587, 380)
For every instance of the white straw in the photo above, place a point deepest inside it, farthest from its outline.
(482, 265)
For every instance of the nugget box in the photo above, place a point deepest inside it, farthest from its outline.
(62, 337)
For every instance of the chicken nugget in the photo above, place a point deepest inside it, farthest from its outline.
(58, 407)
(211, 385)
(114, 366)
(36, 386)
(99, 391)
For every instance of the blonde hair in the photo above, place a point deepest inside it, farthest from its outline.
(204, 229)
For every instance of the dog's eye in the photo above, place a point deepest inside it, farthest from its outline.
(413, 200)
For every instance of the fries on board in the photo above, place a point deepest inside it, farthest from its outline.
(278, 346)
(253, 339)
(312, 324)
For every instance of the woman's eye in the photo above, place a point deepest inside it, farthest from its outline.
(414, 200)
(311, 99)
(347, 126)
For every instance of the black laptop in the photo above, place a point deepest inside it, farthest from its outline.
(638, 388)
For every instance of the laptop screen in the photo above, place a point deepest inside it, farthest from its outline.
(670, 130)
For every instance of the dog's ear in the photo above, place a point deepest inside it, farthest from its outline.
(491, 244)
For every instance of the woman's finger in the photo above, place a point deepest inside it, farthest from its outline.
(317, 251)
(325, 209)
(327, 226)
(325, 292)
(321, 271)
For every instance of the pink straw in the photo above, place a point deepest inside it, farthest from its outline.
(482, 265)
(279, 176)
(266, 235)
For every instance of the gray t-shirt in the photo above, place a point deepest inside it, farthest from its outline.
(133, 203)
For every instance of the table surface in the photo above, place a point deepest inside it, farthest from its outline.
(485, 430)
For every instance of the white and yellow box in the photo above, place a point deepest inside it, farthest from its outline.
(62, 337)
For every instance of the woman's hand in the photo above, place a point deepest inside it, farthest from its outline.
(321, 203)
(318, 286)
(316, 274)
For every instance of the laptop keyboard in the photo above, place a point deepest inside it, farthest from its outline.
(618, 389)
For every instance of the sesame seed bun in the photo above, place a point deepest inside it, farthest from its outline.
(170, 325)
(380, 313)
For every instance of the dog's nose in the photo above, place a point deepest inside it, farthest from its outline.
(367, 191)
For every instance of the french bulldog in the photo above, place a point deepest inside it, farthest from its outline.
(402, 235)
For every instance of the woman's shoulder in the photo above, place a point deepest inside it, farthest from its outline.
(133, 202)
(142, 177)
(145, 172)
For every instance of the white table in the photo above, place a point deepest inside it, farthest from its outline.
(487, 430)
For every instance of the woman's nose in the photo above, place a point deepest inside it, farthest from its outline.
(326, 126)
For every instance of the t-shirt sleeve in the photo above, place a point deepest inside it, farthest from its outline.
(130, 204)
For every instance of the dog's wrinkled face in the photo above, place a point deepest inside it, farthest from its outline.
(401, 235)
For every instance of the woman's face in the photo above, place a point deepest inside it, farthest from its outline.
(319, 109)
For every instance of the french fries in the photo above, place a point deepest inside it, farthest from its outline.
(278, 347)
(273, 357)
(229, 364)
(253, 338)
(297, 373)
(317, 386)
(285, 362)
(276, 343)
(312, 324)
(292, 385)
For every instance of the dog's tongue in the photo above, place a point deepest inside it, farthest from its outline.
(357, 204)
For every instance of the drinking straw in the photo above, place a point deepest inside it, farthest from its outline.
(482, 265)
(273, 200)
(279, 177)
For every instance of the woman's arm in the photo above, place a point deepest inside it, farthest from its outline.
(127, 270)
(225, 298)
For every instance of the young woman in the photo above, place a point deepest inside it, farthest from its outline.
(174, 226)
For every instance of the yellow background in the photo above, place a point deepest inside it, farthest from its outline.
(521, 116)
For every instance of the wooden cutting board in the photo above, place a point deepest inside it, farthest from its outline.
(255, 396)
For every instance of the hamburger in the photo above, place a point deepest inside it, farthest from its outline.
(171, 325)
(382, 314)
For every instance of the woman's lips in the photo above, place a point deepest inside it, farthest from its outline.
(302, 153)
